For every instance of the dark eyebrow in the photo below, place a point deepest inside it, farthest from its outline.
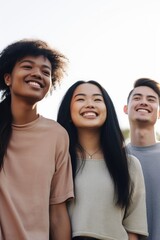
(30, 61)
(136, 94)
(151, 96)
(82, 94)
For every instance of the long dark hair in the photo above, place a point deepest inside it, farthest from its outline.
(112, 143)
(8, 58)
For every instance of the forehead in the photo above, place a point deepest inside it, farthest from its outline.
(36, 59)
(87, 89)
(144, 91)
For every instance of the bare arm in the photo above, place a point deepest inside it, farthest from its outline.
(60, 228)
(132, 236)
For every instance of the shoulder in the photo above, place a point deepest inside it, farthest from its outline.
(134, 164)
(136, 172)
(52, 126)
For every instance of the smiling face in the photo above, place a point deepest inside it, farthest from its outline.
(88, 109)
(143, 106)
(30, 79)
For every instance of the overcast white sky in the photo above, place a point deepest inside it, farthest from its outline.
(111, 41)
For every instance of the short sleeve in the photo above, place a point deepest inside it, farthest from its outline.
(62, 182)
(135, 219)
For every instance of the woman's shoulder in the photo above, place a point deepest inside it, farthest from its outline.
(53, 126)
(133, 163)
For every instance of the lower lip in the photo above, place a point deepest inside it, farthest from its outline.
(89, 117)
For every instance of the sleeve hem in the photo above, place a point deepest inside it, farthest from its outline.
(61, 199)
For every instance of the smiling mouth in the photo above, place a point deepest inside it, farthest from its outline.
(143, 110)
(89, 114)
(34, 84)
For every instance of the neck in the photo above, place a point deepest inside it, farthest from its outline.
(23, 113)
(89, 142)
(89, 139)
(143, 136)
(90, 155)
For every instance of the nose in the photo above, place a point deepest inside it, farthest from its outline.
(36, 73)
(89, 103)
(143, 102)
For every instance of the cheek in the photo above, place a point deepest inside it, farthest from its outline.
(73, 114)
(72, 111)
(104, 116)
(105, 113)
(48, 82)
(75, 117)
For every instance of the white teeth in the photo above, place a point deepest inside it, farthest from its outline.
(142, 110)
(34, 84)
(87, 114)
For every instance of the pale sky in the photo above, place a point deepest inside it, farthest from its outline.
(111, 41)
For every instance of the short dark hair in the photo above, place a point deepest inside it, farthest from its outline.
(30, 47)
(147, 82)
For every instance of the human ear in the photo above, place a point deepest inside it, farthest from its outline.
(125, 109)
(7, 79)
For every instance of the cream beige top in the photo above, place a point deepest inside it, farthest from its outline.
(93, 212)
(36, 173)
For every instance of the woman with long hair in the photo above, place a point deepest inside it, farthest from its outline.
(109, 186)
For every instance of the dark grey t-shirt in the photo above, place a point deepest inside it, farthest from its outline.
(149, 158)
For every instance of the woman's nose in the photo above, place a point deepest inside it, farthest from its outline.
(36, 73)
(90, 104)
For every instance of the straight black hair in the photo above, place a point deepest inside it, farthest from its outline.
(112, 143)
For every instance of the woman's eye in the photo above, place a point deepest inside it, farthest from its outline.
(27, 66)
(47, 73)
(98, 99)
(80, 99)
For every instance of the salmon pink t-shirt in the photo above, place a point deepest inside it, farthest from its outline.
(36, 173)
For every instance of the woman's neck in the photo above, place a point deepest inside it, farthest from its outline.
(89, 143)
(89, 139)
(23, 113)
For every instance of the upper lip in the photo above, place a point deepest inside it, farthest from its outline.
(35, 80)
